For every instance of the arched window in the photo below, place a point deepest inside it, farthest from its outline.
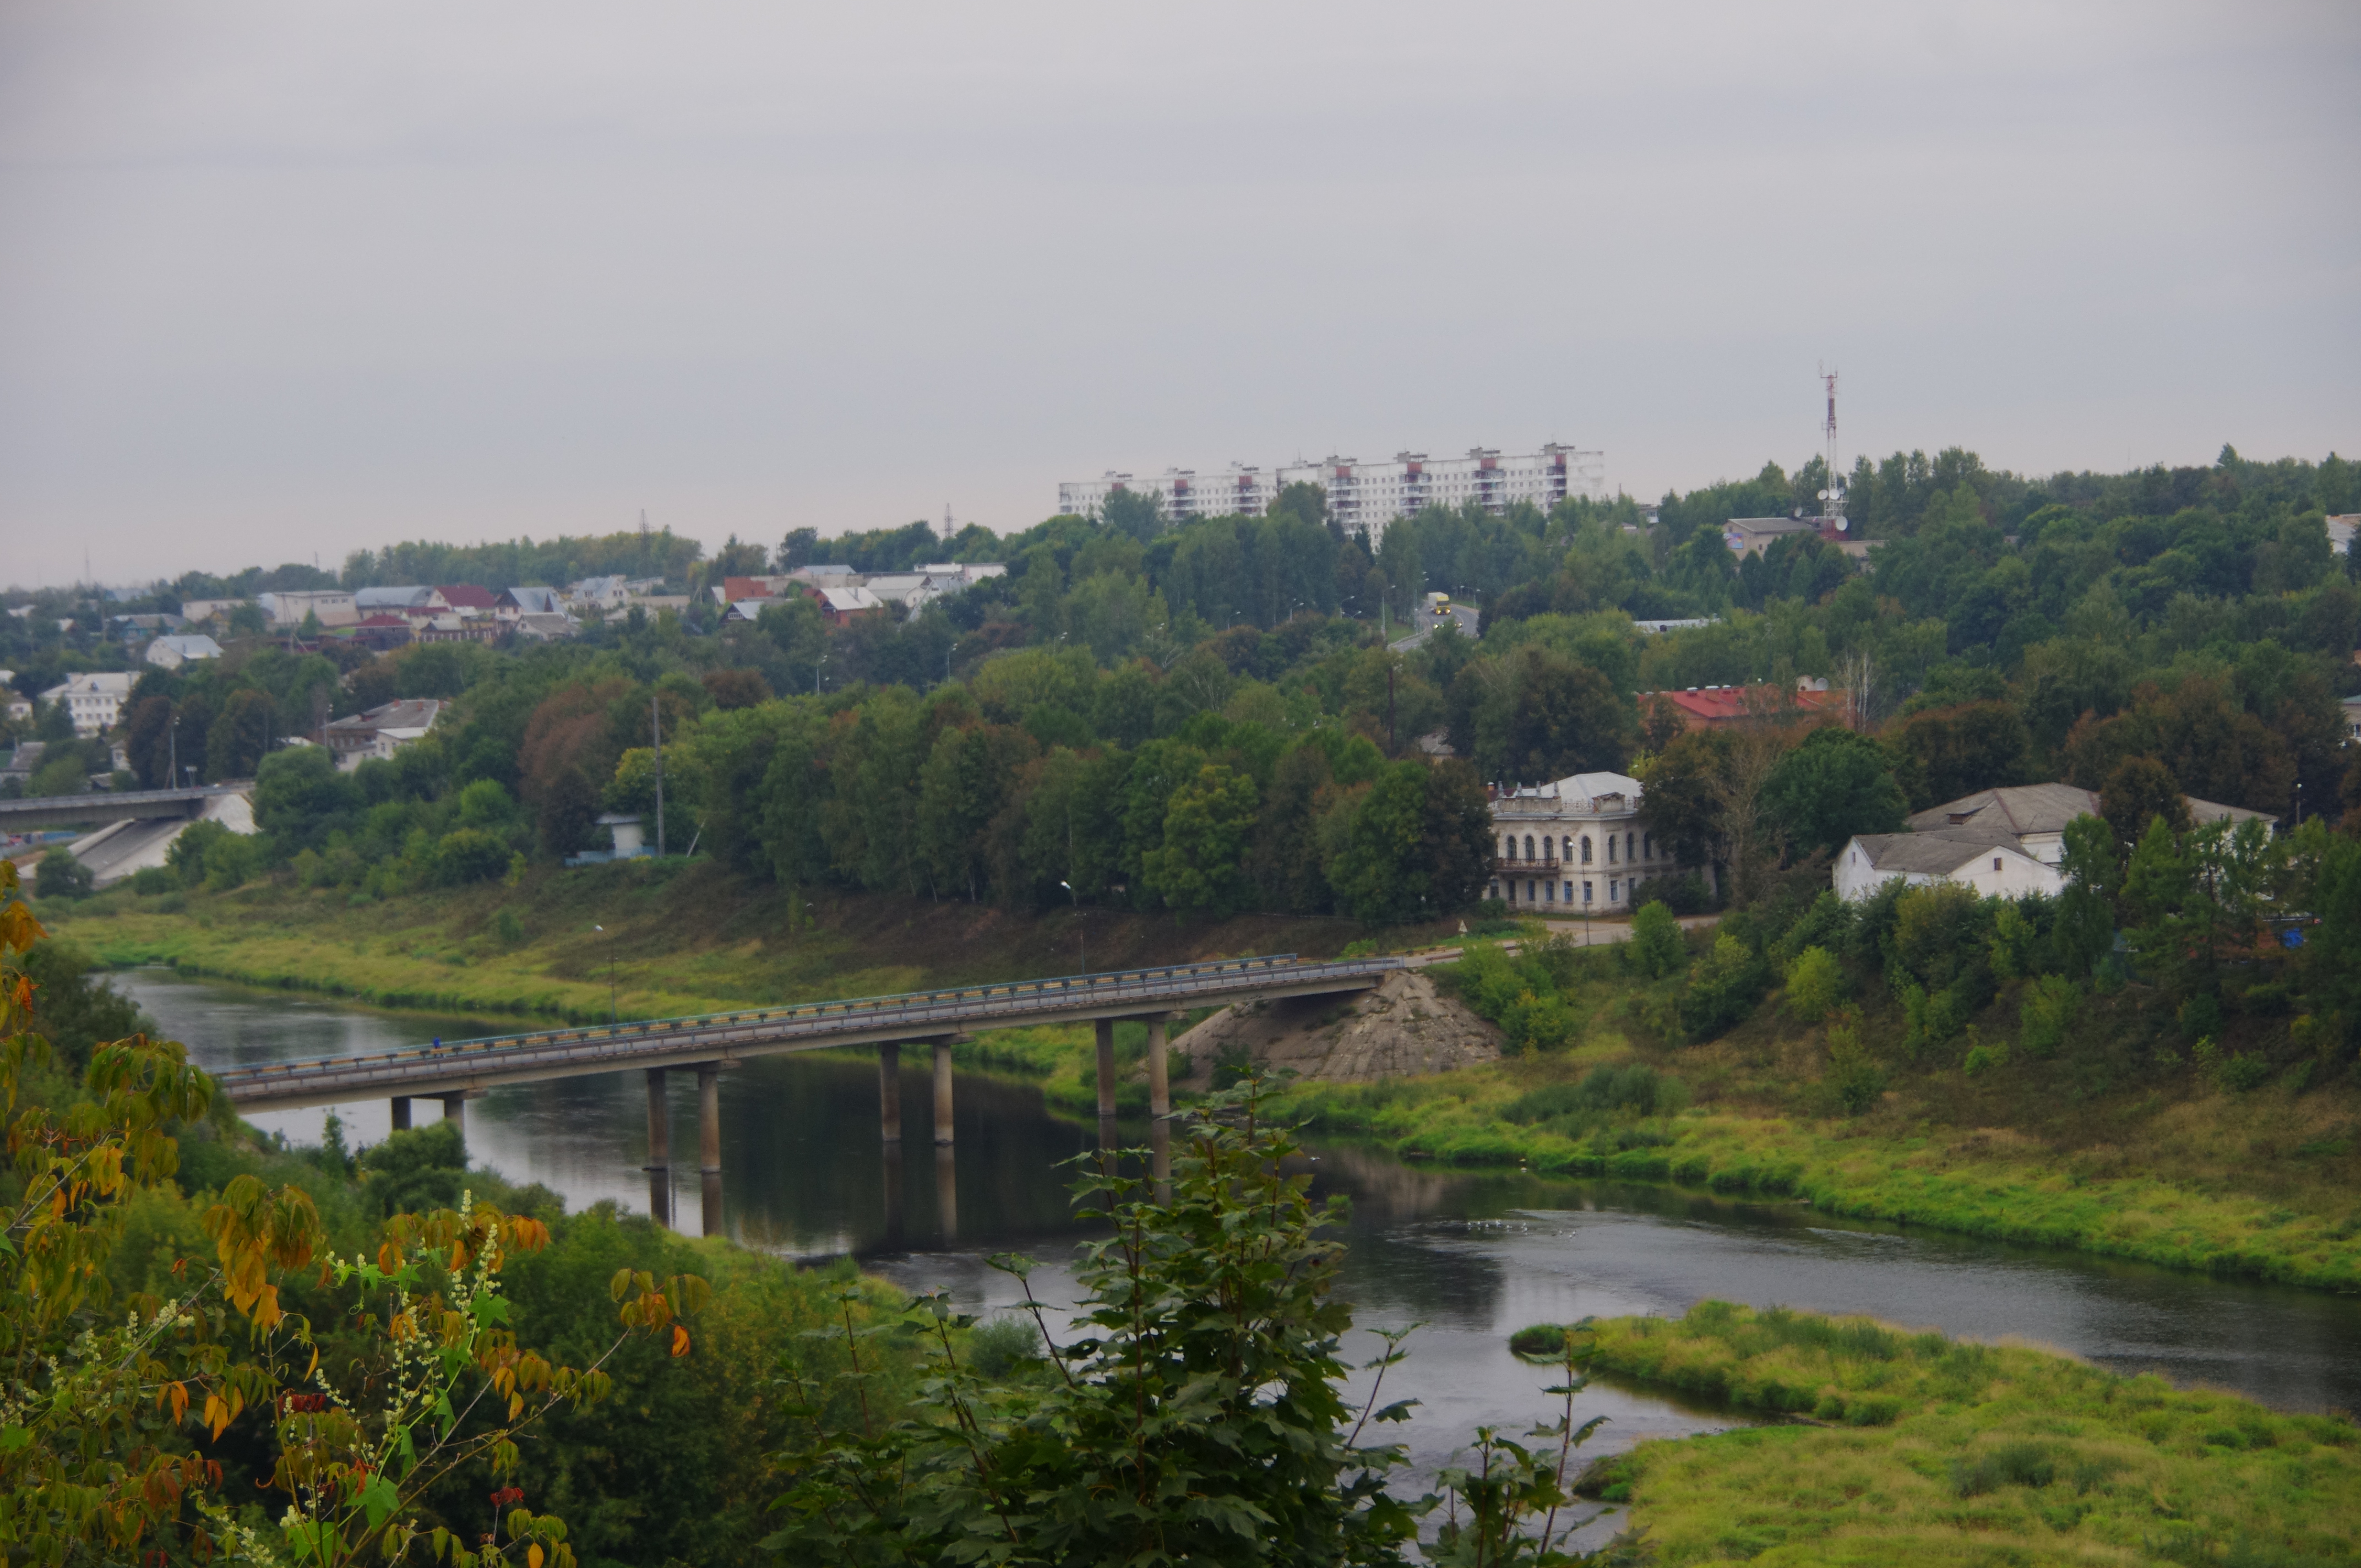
(1529, 845)
(1566, 853)
(1648, 846)
(1508, 846)
(1610, 849)
(1586, 849)
(1627, 846)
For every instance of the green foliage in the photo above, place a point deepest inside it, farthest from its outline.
(1197, 1414)
(2046, 1015)
(1815, 984)
(1833, 786)
(1657, 948)
(1854, 1079)
(61, 874)
(1723, 987)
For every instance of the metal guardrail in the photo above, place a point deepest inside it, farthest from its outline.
(808, 1026)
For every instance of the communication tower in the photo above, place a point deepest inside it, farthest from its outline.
(1832, 498)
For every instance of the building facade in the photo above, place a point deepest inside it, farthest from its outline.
(1362, 497)
(94, 700)
(1574, 846)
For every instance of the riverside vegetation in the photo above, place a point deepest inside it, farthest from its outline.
(738, 1409)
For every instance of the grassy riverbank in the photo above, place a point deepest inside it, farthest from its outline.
(680, 938)
(1914, 1448)
(2265, 1182)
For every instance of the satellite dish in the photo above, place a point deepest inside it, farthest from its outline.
(1843, 524)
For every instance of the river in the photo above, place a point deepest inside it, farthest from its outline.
(1470, 1255)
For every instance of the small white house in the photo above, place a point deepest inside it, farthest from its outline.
(1988, 859)
(171, 653)
(630, 834)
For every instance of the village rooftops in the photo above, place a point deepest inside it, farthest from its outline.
(1715, 708)
(467, 599)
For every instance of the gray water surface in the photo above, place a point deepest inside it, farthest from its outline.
(1470, 1255)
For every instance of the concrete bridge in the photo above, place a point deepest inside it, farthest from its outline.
(33, 813)
(454, 1071)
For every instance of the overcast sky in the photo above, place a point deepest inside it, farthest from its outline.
(285, 279)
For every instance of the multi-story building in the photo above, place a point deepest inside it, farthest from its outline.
(94, 700)
(1362, 497)
(1575, 847)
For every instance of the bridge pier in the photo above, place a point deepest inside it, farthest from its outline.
(889, 1092)
(659, 1165)
(1102, 1032)
(1159, 1085)
(708, 1142)
(402, 1112)
(455, 1110)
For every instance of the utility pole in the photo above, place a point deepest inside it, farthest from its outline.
(173, 732)
(655, 722)
(1393, 743)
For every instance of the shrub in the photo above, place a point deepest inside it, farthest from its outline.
(1723, 987)
(1656, 947)
(1682, 893)
(2019, 1463)
(1000, 1346)
(1854, 1079)
(150, 880)
(60, 875)
(2045, 1015)
(1815, 984)
(508, 927)
(469, 854)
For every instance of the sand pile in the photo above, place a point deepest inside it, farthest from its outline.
(1399, 1028)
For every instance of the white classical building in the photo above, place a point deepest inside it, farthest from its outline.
(1574, 846)
(94, 700)
(1362, 497)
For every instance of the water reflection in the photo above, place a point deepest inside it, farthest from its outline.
(1472, 1255)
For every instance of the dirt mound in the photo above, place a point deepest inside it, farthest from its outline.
(1402, 1027)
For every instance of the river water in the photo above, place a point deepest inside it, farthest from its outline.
(1472, 1256)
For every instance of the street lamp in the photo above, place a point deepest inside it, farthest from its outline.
(1082, 932)
(610, 972)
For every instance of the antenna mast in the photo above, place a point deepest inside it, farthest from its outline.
(1833, 496)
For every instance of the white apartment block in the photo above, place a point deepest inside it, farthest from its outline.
(95, 700)
(1362, 497)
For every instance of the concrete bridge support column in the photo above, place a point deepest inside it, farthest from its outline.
(943, 1092)
(1159, 1085)
(708, 1142)
(1103, 1030)
(659, 1165)
(889, 1092)
(455, 1110)
(402, 1112)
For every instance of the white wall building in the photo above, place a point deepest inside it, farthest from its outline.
(1362, 497)
(288, 609)
(95, 700)
(1575, 847)
(378, 732)
(171, 653)
(2035, 815)
(1985, 858)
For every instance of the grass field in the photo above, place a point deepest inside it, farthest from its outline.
(1912, 1448)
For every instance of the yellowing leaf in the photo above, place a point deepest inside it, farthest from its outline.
(679, 1340)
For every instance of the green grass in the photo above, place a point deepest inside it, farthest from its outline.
(684, 938)
(1912, 1448)
(1981, 1184)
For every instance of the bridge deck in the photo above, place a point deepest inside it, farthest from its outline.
(460, 1064)
(27, 813)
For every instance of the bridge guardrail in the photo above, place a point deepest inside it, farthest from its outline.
(941, 1008)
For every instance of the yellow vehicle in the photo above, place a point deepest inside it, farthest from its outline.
(1438, 604)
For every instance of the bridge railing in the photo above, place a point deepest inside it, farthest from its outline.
(945, 1005)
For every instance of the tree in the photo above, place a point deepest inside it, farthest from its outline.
(1564, 718)
(148, 743)
(1373, 838)
(1834, 784)
(2139, 791)
(1953, 752)
(1133, 515)
(1455, 837)
(1208, 823)
(61, 874)
(2092, 863)
(1196, 1416)
(1656, 947)
(238, 737)
(1286, 856)
(299, 797)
